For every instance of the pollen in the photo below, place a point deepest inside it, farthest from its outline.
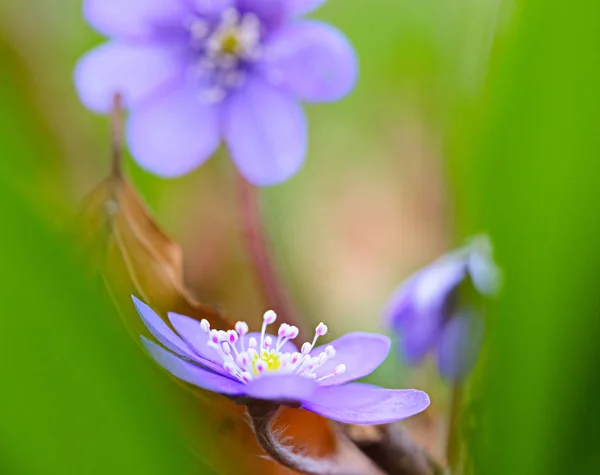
(270, 358)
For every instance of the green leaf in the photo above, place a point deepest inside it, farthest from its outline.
(532, 180)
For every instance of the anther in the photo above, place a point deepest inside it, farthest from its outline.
(232, 336)
(283, 330)
(205, 326)
(260, 366)
(241, 328)
(214, 336)
(269, 317)
(321, 329)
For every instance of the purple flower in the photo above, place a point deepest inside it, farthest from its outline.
(262, 366)
(425, 313)
(194, 72)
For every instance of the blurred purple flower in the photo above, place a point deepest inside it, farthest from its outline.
(261, 366)
(425, 314)
(194, 72)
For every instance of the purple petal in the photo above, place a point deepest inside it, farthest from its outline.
(159, 330)
(191, 373)
(266, 133)
(435, 283)
(459, 345)
(211, 7)
(312, 60)
(288, 347)
(189, 330)
(173, 133)
(134, 18)
(350, 395)
(361, 352)
(286, 388)
(302, 7)
(135, 71)
(359, 405)
(271, 12)
(418, 309)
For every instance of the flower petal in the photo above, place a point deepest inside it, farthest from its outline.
(271, 12)
(191, 373)
(360, 405)
(189, 330)
(266, 133)
(134, 71)
(361, 352)
(418, 308)
(350, 395)
(302, 7)
(134, 18)
(459, 345)
(211, 7)
(313, 60)
(159, 330)
(173, 133)
(288, 388)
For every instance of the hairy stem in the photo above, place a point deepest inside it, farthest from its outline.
(274, 294)
(263, 416)
(454, 446)
(393, 450)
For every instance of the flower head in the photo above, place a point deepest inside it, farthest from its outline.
(264, 366)
(194, 72)
(425, 313)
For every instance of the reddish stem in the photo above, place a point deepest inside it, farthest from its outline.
(274, 293)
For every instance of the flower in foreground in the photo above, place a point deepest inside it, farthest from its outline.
(194, 72)
(427, 316)
(261, 366)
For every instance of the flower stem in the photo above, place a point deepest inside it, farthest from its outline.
(263, 416)
(454, 446)
(274, 294)
(117, 140)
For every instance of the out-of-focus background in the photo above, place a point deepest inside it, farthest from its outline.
(469, 116)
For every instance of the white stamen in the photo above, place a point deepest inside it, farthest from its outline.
(265, 356)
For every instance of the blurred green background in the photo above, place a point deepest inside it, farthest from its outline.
(469, 116)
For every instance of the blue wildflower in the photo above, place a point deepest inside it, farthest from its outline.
(425, 313)
(260, 366)
(195, 72)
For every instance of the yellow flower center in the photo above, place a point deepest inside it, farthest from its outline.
(230, 43)
(271, 359)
